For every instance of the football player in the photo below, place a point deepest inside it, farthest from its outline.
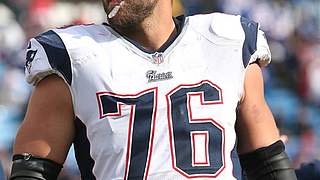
(149, 96)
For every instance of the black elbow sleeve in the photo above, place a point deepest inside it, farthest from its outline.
(268, 163)
(28, 167)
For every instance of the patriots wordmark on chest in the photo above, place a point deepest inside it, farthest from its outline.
(153, 76)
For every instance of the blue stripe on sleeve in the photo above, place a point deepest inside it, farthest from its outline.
(57, 53)
(250, 43)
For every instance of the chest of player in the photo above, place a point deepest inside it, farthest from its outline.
(139, 107)
(189, 70)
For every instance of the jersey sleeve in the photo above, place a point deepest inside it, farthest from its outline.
(46, 54)
(255, 46)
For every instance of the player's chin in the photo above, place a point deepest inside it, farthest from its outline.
(124, 21)
(120, 23)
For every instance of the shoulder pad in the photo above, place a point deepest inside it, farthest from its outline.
(218, 27)
(225, 29)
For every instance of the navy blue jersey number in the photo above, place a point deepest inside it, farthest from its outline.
(141, 127)
(196, 139)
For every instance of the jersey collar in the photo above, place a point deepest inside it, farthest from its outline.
(181, 24)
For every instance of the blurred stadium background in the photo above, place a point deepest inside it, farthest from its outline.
(292, 81)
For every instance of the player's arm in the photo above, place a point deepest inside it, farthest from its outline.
(46, 132)
(262, 154)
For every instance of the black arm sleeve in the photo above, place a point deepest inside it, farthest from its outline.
(28, 167)
(268, 163)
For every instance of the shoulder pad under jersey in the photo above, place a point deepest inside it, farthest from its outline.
(224, 29)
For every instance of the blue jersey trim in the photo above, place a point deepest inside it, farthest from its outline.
(250, 43)
(57, 53)
(81, 145)
(237, 170)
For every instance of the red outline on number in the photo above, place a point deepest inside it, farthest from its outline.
(132, 111)
(203, 103)
(206, 136)
(119, 113)
(195, 120)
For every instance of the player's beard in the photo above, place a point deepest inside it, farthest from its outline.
(131, 14)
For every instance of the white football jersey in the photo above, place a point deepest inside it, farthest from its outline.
(166, 115)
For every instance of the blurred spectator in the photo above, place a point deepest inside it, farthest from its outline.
(12, 36)
(4, 163)
(199, 6)
(1, 172)
(309, 171)
(177, 8)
